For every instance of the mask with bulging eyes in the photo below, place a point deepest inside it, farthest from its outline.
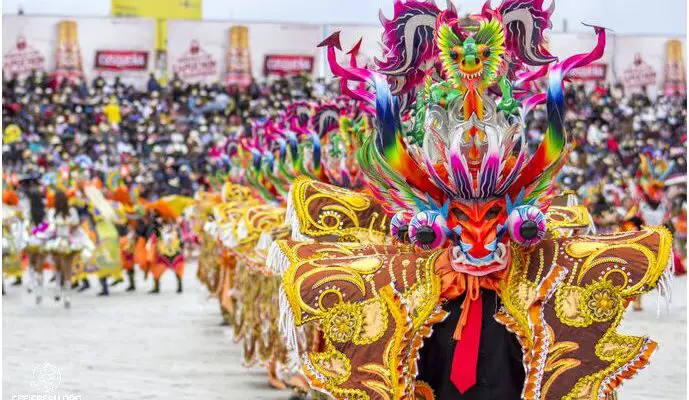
(478, 230)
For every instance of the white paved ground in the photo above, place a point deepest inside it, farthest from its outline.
(127, 346)
(666, 376)
(138, 346)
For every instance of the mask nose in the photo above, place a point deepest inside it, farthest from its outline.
(469, 61)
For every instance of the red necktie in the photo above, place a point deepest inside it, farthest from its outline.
(465, 359)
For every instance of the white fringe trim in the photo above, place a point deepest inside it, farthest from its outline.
(226, 235)
(572, 200)
(665, 285)
(211, 228)
(296, 231)
(292, 219)
(592, 230)
(288, 331)
(290, 212)
(276, 260)
(242, 230)
(264, 242)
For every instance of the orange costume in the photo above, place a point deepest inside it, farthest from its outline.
(164, 247)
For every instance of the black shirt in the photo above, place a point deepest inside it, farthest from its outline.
(500, 373)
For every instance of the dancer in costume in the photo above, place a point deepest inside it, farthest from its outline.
(143, 231)
(652, 206)
(190, 236)
(38, 235)
(105, 260)
(130, 216)
(65, 243)
(480, 297)
(165, 245)
(127, 247)
(15, 237)
(79, 271)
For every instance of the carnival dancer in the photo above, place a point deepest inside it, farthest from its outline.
(652, 205)
(105, 260)
(130, 217)
(677, 198)
(82, 268)
(479, 298)
(65, 244)
(127, 247)
(190, 236)
(35, 249)
(141, 249)
(15, 237)
(166, 249)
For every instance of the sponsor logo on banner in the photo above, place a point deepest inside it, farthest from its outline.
(195, 64)
(591, 72)
(675, 74)
(122, 60)
(22, 59)
(287, 64)
(638, 74)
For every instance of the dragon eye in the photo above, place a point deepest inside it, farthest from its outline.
(526, 225)
(486, 52)
(428, 230)
(399, 227)
(454, 54)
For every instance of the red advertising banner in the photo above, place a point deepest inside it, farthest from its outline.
(592, 72)
(278, 64)
(121, 60)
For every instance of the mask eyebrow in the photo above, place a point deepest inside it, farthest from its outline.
(488, 206)
(475, 211)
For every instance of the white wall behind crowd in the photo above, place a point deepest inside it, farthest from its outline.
(27, 40)
(201, 50)
(667, 17)
(214, 41)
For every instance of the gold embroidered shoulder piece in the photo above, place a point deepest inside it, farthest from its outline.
(227, 217)
(256, 230)
(204, 224)
(566, 221)
(374, 304)
(329, 213)
(566, 198)
(251, 308)
(236, 192)
(565, 298)
(255, 220)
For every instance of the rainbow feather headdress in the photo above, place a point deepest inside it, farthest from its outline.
(458, 113)
(448, 155)
(653, 176)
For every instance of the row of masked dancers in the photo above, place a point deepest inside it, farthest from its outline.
(71, 234)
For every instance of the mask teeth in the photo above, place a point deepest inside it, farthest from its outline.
(500, 228)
